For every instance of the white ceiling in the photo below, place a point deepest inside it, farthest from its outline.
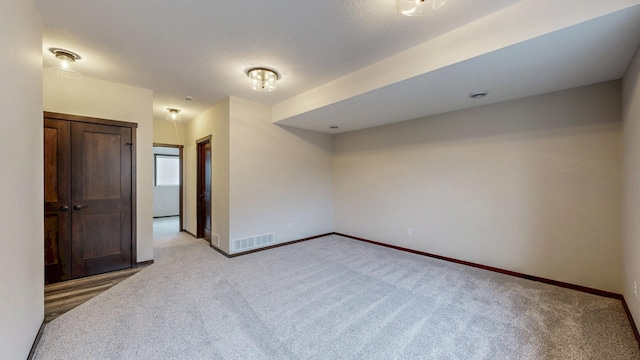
(202, 48)
(588, 53)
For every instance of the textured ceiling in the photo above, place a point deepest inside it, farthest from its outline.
(356, 64)
(587, 53)
(202, 47)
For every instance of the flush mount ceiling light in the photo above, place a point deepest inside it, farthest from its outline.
(67, 58)
(418, 7)
(174, 115)
(263, 79)
(478, 94)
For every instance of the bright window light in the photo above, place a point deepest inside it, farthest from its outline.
(167, 170)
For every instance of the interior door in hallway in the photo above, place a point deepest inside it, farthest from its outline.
(204, 188)
(101, 183)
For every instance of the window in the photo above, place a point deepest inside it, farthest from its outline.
(167, 170)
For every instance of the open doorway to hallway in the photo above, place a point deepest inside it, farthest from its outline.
(167, 190)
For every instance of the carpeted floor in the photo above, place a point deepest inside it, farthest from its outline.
(333, 298)
(165, 228)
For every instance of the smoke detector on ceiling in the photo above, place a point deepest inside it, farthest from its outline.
(478, 94)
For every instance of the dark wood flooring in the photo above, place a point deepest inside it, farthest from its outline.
(64, 296)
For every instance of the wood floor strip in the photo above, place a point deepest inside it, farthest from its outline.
(64, 296)
(57, 308)
(70, 294)
(63, 286)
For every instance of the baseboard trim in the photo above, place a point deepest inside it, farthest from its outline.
(36, 341)
(494, 269)
(230, 256)
(631, 321)
(144, 263)
(189, 232)
(220, 251)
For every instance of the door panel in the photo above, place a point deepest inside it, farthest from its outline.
(204, 190)
(207, 191)
(100, 166)
(51, 164)
(103, 242)
(101, 198)
(57, 195)
(51, 244)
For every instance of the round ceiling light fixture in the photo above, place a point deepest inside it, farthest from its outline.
(478, 94)
(418, 7)
(263, 79)
(67, 58)
(174, 115)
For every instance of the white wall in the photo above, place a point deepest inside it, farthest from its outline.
(631, 119)
(165, 132)
(166, 198)
(166, 201)
(21, 182)
(108, 100)
(279, 176)
(215, 122)
(264, 177)
(531, 185)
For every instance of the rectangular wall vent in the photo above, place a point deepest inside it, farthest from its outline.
(252, 242)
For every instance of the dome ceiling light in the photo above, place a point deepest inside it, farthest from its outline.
(174, 115)
(67, 59)
(263, 79)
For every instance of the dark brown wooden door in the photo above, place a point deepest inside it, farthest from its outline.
(101, 184)
(89, 199)
(57, 200)
(204, 190)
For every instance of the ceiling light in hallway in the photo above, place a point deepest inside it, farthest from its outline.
(67, 58)
(174, 115)
(263, 79)
(418, 7)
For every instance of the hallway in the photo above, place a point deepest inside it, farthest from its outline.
(165, 228)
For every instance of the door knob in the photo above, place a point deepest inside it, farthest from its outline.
(64, 208)
(77, 207)
(201, 195)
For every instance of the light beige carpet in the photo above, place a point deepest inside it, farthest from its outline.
(333, 298)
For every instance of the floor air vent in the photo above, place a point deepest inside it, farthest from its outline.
(252, 242)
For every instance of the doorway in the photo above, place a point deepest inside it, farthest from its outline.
(204, 188)
(167, 190)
